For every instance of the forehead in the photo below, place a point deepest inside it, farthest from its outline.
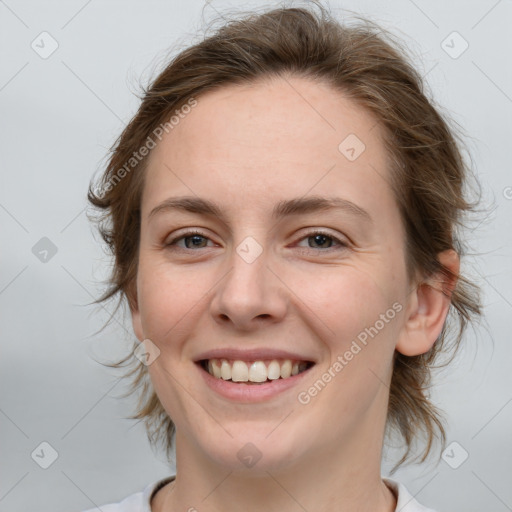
(270, 140)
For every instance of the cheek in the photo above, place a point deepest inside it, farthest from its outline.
(337, 301)
(166, 299)
(347, 298)
(362, 311)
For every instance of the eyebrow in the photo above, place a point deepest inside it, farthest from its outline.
(285, 208)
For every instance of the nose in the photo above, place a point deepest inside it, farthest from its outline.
(250, 294)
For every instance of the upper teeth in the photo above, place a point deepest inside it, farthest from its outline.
(256, 371)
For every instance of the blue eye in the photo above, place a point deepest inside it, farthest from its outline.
(198, 240)
(321, 238)
(194, 236)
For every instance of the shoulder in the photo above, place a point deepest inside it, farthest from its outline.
(137, 502)
(405, 501)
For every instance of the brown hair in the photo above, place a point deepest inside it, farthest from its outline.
(428, 174)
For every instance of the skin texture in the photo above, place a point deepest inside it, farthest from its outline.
(247, 148)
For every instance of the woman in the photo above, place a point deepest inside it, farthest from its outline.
(282, 211)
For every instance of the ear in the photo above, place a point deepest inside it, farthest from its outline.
(427, 309)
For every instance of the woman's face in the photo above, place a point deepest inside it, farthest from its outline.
(260, 284)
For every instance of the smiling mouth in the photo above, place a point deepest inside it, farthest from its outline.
(254, 372)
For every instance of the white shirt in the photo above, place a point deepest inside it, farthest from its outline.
(140, 501)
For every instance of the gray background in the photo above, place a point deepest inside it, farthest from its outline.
(58, 117)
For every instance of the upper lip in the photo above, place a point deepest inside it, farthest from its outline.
(254, 354)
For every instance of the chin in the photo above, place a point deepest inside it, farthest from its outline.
(255, 449)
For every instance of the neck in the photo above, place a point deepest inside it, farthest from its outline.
(344, 479)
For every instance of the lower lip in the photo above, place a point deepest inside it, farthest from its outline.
(250, 393)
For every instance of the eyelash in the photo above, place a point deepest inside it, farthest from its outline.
(342, 245)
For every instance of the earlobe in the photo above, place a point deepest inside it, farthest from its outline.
(428, 308)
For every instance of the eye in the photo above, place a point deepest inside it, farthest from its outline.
(192, 239)
(198, 240)
(321, 239)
